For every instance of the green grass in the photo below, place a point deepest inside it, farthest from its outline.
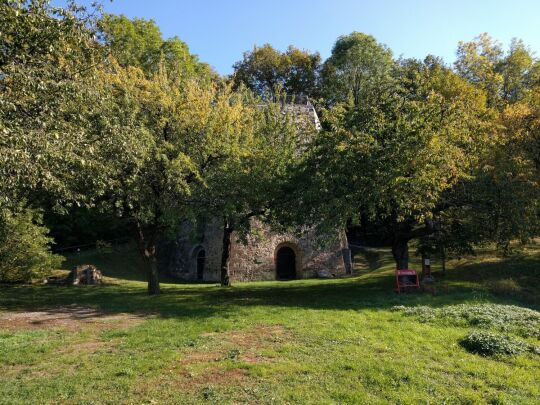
(306, 341)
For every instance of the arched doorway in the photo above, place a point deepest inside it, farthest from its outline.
(201, 259)
(285, 264)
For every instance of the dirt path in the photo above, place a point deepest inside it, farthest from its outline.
(72, 317)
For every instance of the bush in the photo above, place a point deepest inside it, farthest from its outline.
(505, 287)
(24, 247)
(505, 318)
(495, 344)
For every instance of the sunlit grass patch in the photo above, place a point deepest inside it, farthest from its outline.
(305, 341)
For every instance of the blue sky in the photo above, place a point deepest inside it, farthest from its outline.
(220, 31)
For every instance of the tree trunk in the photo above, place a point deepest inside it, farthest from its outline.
(400, 251)
(152, 276)
(226, 253)
(443, 259)
(147, 250)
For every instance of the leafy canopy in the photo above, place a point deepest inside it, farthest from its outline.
(139, 43)
(358, 68)
(265, 69)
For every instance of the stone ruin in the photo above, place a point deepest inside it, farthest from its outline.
(85, 274)
(267, 255)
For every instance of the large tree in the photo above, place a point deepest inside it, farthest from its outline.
(429, 151)
(49, 108)
(504, 190)
(249, 187)
(506, 77)
(265, 69)
(499, 200)
(139, 42)
(48, 60)
(358, 69)
(394, 156)
(172, 135)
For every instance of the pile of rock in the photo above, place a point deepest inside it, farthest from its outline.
(324, 273)
(84, 274)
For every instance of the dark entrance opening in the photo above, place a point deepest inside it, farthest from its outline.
(286, 264)
(201, 258)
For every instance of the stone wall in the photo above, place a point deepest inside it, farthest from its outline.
(180, 256)
(256, 260)
(304, 115)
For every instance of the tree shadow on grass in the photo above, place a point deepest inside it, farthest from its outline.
(372, 290)
(368, 259)
(122, 262)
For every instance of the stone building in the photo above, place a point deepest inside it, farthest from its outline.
(267, 255)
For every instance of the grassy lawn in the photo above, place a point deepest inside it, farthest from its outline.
(306, 341)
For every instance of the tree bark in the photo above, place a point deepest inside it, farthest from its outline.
(400, 251)
(443, 259)
(152, 277)
(226, 253)
(403, 233)
(147, 250)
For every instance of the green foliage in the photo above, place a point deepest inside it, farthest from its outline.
(495, 344)
(477, 62)
(247, 184)
(395, 156)
(49, 106)
(264, 70)
(506, 318)
(500, 201)
(505, 77)
(520, 71)
(82, 225)
(428, 152)
(25, 247)
(171, 142)
(509, 180)
(139, 43)
(358, 69)
(185, 147)
(270, 147)
(176, 136)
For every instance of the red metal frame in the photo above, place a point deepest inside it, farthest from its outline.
(405, 282)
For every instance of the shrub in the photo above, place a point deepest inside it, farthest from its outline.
(494, 344)
(24, 247)
(506, 318)
(505, 287)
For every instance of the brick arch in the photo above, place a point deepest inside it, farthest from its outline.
(297, 255)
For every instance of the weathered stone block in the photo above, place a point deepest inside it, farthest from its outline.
(84, 274)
